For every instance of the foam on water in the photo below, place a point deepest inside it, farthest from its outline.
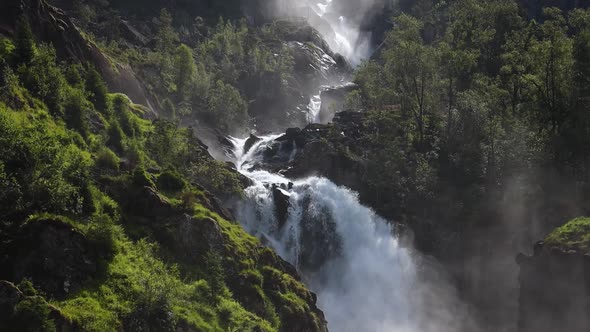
(348, 255)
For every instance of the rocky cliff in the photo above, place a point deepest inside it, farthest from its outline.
(555, 282)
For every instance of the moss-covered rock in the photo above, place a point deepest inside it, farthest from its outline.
(574, 235)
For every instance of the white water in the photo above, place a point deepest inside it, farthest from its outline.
(342, 33)
(349, 256)
(313, 109)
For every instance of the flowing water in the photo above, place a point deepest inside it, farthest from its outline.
(348, 255)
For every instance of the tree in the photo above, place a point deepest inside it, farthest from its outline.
(75, 111)
(97, 89)
(410, 66)
(44, 78)
(552, 70)
(226, 108)
(166, 37)
(24, 41)
(185, 71)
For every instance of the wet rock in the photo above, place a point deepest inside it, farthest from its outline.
(282, 204)
(250, 142)
(320, 241)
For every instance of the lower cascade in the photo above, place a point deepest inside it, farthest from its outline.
(352, 258)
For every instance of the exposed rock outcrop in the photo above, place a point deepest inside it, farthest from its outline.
(554, 290)
(281, 199)
(57, 258)
(29, 312)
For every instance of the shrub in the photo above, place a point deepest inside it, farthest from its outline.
(75, 111)
(141, 178)
(97, 90)
(170, 181)
(107, 160)
(6, 49)
(116, 137)
(32, 315)
(102, 232)
(90, 315)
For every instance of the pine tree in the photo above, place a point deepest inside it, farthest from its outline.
(24, 42)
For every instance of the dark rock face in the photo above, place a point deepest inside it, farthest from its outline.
(282, 204)
(54, 256)
(149, 203)
(10, 296)
(321, 242)
(12, 320)
(554, 291)
(319, 150)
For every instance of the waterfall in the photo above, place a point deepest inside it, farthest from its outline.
(314, 107)
(349, 256)
(341, 31)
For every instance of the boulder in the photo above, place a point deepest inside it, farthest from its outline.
(149, 203)
(250, 142)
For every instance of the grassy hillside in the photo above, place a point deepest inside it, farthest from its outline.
(107, 221)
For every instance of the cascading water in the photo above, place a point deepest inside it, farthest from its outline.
(349, 256)
(341, 31)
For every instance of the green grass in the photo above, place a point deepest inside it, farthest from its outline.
(574, 235)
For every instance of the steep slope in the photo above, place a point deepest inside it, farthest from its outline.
(108, 222)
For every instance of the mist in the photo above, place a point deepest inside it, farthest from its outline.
(338, 21)
(367, 278)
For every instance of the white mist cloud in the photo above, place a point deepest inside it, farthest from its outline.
(339, 22)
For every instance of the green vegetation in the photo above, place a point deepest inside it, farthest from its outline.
(212, 76)
(82, 165)
(464, 99)
(574, 235)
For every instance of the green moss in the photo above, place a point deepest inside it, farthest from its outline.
(574, 235)
(88, 313)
